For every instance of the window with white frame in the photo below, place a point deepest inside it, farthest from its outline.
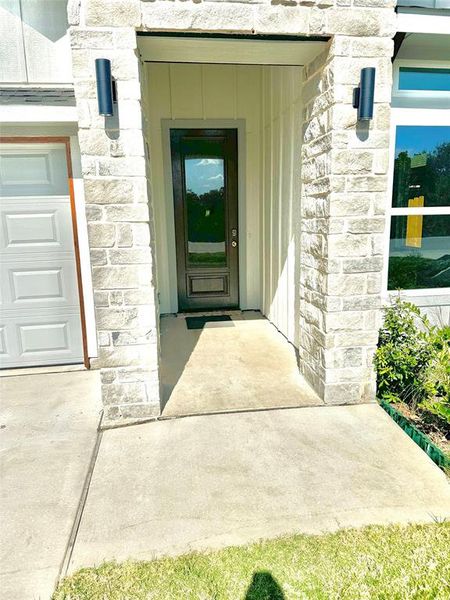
(419, 233)
(421, 79)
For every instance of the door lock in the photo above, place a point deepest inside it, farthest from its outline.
(234, 233)
(234, 243)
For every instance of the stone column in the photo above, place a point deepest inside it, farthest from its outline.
(119, 223)
(344, 196)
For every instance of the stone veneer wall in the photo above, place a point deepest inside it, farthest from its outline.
(344, 173)
(343, 197)
(119, 221)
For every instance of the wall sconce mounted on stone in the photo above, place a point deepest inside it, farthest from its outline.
(105, 87)
(364, 94)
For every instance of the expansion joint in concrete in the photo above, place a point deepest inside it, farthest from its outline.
(80, 508)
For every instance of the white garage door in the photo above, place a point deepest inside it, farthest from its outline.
(40, 311)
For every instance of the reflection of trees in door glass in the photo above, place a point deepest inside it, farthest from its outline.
(205, 202)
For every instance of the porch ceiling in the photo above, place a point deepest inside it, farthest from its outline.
(229, 50)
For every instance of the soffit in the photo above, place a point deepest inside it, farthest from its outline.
(226, 50)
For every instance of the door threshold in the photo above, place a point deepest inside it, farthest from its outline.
(19, 371)
(216, 312)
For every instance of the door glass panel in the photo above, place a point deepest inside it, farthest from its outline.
(205, 205)
(419, 252)
(422, 166)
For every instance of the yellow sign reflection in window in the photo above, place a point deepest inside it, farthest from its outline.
(414, 224)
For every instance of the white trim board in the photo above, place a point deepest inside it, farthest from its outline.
(415, 20)
(83, 249)
(419, 116)
(36, 114)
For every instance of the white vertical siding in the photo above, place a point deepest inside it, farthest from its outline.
(206, 92)
(268, 99)
(34, 42)
(281, 142)
(46, 40)
(12, 52)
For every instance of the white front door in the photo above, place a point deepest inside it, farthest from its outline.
(40, 321)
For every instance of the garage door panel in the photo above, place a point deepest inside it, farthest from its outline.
(33, 170)
(3, 345)
(42, 339)
(35, 227)
(30, 229)
(44, 284)
(9, 348)
(37, 284)
(40, 321)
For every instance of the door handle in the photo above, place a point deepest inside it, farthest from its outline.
(234, 243)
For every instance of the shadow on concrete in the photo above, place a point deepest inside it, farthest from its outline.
(178, 343)
(264, 587)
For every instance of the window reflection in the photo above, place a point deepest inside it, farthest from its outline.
(422, 166)
(205, 201)
(419, 252)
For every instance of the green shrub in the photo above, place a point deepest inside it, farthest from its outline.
(403, 354)
(437, 375)
(412, 361)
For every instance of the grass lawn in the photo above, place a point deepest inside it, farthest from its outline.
(386, 563)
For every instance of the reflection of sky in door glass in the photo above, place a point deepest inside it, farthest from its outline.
(417, 139)
(205, 203)
(203, 174)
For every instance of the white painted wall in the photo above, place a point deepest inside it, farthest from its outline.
(264, 103)
(281, 145)
(193, 95)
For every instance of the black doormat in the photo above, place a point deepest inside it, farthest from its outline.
(199, 322)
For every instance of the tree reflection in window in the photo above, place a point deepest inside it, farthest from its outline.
(205, 202)
(419, 254)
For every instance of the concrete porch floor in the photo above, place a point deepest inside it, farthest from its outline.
(245, 364)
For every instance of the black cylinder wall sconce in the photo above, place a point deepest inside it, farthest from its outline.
(104, 87)
(364, 94)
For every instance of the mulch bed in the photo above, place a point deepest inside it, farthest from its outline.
(436, 429)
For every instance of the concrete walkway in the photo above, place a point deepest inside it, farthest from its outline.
(242, 364)
(191, 483)
(48, 433)
(205, 482)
